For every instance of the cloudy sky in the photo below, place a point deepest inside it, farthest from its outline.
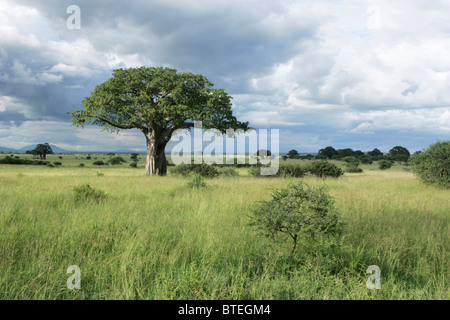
(358, 74)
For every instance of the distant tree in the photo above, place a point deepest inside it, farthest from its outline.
(328, 152)
(116, 160)
(351, 161)
(399, 153)
(42, 150)
(134, 157)
(366, 159)
(341, 153)
(375, 154)
(358, 153)
(293, 154)
(263, 153)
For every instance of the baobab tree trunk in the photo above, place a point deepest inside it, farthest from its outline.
(156, 158)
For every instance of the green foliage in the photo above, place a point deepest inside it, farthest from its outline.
(98, 163)
(116, 160)
(13, 160)
(324, 169)
(295, 171)
(384, 164)
(350, 160)
(57, 163)
(81, 165)
(229, 172)
(203, 170)
(299, 210)
(140, 97)
(328, 152)
(350, 168)
(399, 153)
(293, 154)
(433, 164)
(196, 181)
(85, 193)
(365, 159)
(42, 150)
(133, 165)
(263, 153)
(134, 157)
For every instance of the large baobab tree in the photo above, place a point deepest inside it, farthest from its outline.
(157, 101)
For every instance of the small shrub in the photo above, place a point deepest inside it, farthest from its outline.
(57, 163)
(324, 169)
(133, 165)
(297, 211)
(353, 169)
(98, 163)
(197, 181)
(86, 193)
(81, 165)
(203, 170)
(384, 164)
(229, 172)
(50, 165)
(295, 171)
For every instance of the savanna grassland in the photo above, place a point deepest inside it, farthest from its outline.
(156, 238)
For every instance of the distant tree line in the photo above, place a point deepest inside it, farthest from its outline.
(397, 153)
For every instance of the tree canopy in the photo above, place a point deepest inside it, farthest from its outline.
(156, 101)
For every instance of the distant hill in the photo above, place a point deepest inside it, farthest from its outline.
(5, 149)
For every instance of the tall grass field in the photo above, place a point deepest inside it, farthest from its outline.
(158, 238)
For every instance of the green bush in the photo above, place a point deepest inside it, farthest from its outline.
(57, 163)
(229, 172)
(13, 160)
(297, 211)
(294, 171)
(324, 169)
(384, 164)
(116, 160)
(204, 170)
(197, 181)
(133, 165)
(98, 163)
(81, 165)
(433, 164)
(86, 193)
(353, 169)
